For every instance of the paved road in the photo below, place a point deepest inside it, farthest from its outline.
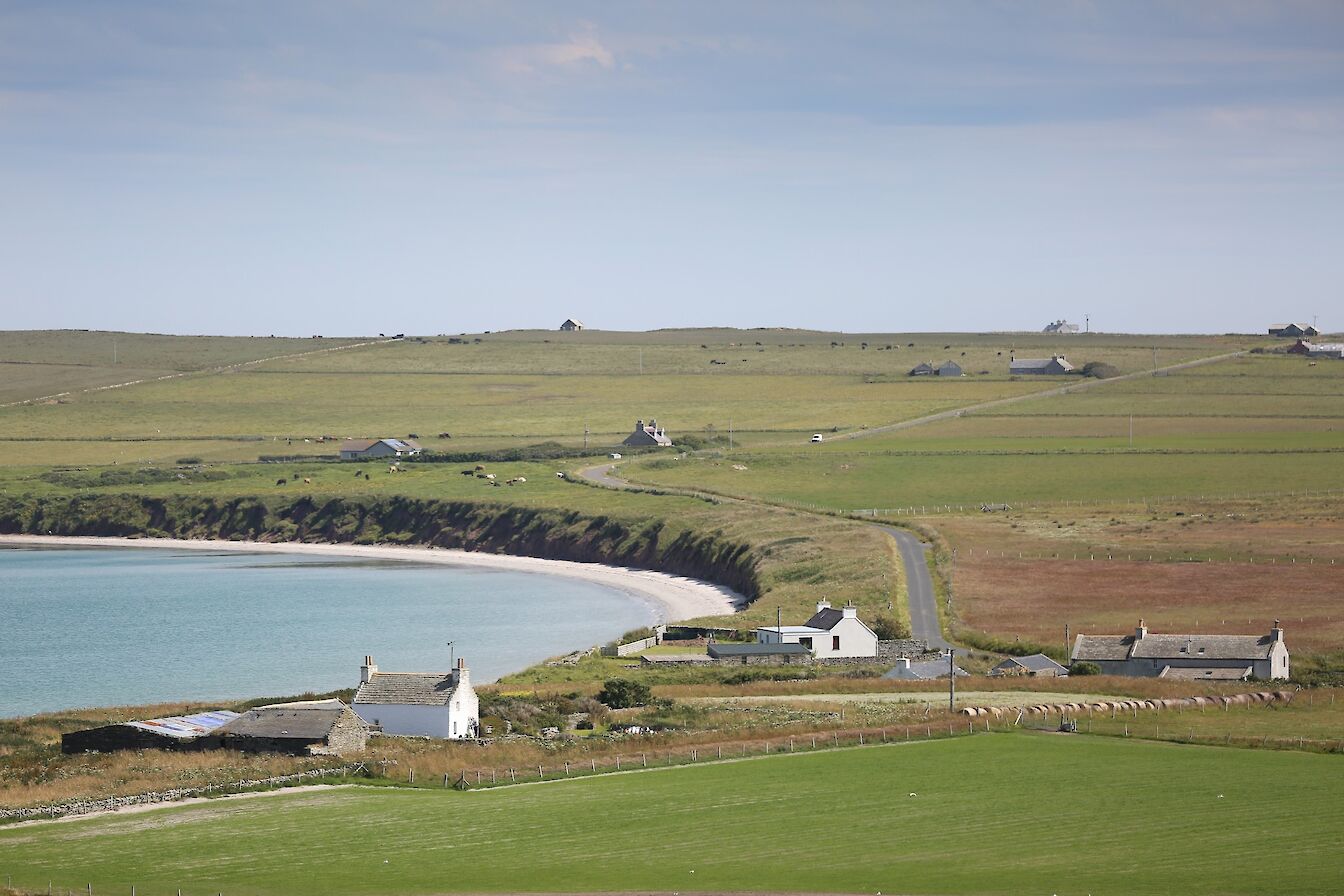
(924, 623)
(601, 474)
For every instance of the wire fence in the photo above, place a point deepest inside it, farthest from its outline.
(997, 505)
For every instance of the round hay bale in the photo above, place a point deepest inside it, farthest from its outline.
(996, 712)
(1199, 701)
(1098, 707)
(1285, 696)
(966, 711)
(1240, 699)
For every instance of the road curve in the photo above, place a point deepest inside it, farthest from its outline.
(924, 624)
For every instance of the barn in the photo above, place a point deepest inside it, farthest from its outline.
(192, 732)
(1052, 366)
(303, 728)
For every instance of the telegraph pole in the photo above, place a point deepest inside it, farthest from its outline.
(951, 680)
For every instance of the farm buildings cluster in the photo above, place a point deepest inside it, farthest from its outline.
(423, 704)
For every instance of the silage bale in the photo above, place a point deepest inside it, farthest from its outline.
(1285, 696)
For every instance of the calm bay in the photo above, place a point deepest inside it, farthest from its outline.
(109, 626)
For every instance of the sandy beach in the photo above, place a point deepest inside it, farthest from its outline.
(674, 598)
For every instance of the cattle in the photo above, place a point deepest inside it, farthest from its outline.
(307, 481)
(281, 481)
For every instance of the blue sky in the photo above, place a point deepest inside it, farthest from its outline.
(439, 167)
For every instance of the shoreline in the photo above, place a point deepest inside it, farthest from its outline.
(673, 598)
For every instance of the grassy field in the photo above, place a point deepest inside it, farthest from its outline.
(944, 817)
(40, 363)
(502, 389)
(1222, 429)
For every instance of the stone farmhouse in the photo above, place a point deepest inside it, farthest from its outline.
(570, 325)
(1037, 664)
(422, 704)
(830, 634)
(1052, 366)
(1060, 326)
(647, 434)
(1187, 657)
(360, 449)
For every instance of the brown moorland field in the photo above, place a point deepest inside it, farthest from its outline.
(1216, 567)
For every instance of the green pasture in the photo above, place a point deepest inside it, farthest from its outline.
(1231, 428)
(1010, 813)
(503, 409)
(726, 353)
(39, 363)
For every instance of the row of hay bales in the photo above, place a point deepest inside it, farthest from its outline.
(1117, 706)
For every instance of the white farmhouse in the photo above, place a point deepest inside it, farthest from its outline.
(425, 704)
(829, 634)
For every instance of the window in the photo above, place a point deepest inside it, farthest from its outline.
(835, 642)
(806, 642)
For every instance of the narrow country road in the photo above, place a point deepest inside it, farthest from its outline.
(924, 624)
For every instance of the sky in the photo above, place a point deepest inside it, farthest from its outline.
(350, 167)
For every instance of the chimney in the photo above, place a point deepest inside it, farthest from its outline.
(639, 424)
(849, 611)
(460, 674)
(823, 604)
(367, 670)
(1276, 633)
(1141, 632)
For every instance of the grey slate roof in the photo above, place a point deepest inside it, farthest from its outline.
(826, 619)
(1183, 647)
(1018, 364)
(1036, 662)
(297, 721)
(728, 650)
(407, 688)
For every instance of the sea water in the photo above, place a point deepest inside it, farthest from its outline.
(86, 627)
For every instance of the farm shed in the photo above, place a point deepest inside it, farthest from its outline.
(1033, 665)
(950, 368)
(922, 369)
(359, 449)
(1052, 366)
(304, 728)
(830, 633)
(760, 654)
(647, 434)
(1147, 655)
(927, 670)
(1293, 331)
(570, 325)
(423, 704)
(193, 732)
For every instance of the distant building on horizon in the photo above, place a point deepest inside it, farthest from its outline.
(1293, 331)
(570, 325)
(1060, 326)
(647, 434)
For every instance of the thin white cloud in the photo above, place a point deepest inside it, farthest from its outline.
(583, 48)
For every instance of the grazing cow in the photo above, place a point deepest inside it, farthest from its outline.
(281, 481)
(468, 472)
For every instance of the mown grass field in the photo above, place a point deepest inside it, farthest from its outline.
(1109, 816)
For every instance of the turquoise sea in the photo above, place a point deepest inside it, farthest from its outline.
(108, 626)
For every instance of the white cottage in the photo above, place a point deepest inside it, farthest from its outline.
(830, 633)
(425, 704)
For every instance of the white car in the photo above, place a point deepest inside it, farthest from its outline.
(614, 456)
(816, 437)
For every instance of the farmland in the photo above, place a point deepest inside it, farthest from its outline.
(1191, 819)
(505, 389)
